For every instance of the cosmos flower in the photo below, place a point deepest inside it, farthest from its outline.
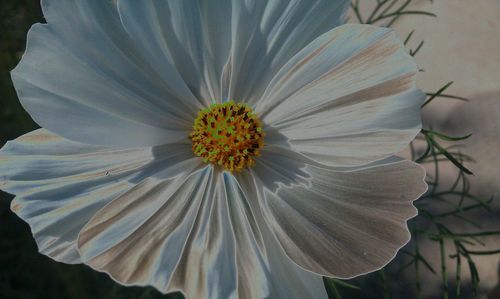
(223, 148)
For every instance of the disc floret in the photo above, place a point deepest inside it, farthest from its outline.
(228, 134)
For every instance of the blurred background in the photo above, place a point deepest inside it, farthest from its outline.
(461, 45)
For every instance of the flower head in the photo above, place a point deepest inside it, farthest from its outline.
(228, 134)
(224, 148)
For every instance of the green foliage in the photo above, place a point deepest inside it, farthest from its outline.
(431, 223)
(386, 12)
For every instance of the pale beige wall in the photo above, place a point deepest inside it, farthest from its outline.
(463, 45)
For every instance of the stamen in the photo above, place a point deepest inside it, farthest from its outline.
(229, 135)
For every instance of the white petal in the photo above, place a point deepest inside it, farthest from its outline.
(287, 280)
(235, 45)
(61, 184)
(349, 98)
(83, 78)
(198, 234)
(191, 36)
(267, 34)
(193, 234)
(347, 223)
(281, 167)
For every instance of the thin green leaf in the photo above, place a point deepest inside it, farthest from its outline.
(438, 93)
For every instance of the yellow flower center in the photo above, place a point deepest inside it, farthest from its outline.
(228, 134)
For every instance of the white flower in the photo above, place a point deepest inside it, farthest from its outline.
(115, 179)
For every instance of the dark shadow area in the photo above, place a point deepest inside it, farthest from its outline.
(495, 293)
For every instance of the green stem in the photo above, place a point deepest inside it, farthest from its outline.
(444, 274)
